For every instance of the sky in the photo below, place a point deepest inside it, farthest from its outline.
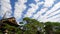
(41, 10)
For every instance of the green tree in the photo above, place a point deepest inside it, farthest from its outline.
(48, 28)
(32, 25)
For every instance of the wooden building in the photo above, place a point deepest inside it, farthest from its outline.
(11, 21)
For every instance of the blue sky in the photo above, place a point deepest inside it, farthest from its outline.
(41, 10)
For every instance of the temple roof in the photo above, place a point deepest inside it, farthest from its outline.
(10, 21)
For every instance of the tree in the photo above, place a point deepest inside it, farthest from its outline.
(48, 28)
(32, 26)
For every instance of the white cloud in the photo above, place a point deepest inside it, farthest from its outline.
(33, 9)
(53, 9)
(22, 1)
(54, 13)
(58, 20)
(5, 8)
(54, 16)
(53, 19)
(44, 18)
(19, 8)
(37, 1)
(56, 6)
(8, 14)
(7, 1)
(48, 3)
(39, 13)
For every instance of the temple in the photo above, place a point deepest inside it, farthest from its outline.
(10, 21)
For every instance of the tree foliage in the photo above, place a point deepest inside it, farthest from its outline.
(34, 27)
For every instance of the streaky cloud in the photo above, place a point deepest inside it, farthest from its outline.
(19, 8)
(5, 8)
